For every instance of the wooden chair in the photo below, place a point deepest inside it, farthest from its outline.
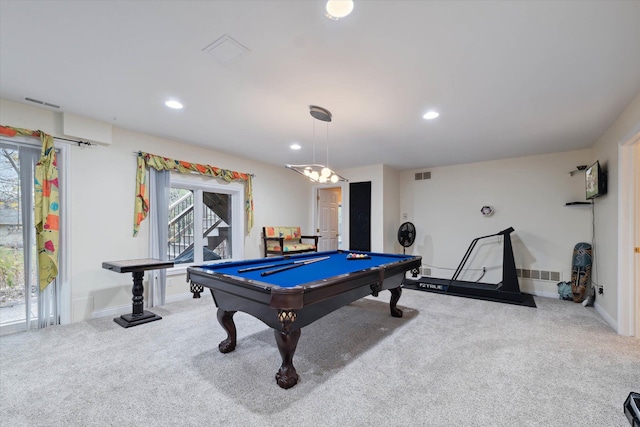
(286, 240)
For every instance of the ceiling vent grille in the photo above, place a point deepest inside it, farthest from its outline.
(225, 50)
(46, 104)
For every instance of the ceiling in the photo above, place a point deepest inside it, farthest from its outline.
(509, 78)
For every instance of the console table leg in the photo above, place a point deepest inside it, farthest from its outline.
(138, 314)
(138, 291)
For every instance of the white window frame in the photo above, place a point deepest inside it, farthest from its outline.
(200, 183)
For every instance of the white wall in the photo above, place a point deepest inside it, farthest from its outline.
(606, 208)
(391, 210)
(102, 201)
(528, 194)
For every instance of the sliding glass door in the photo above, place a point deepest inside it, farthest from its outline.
(22, 305)
(18, 271)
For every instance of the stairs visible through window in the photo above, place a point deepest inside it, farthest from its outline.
(199, 219)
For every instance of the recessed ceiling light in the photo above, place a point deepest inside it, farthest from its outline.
(295, 146)
(431, 115)
(337, 9)
(173, 104)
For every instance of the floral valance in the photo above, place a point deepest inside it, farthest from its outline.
(146, 160)
(47, 204)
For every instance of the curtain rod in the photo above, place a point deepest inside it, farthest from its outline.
(135, 153)
(85, 143)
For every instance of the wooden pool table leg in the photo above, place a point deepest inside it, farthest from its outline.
(395, 296)
(225, 318)
(287, 376)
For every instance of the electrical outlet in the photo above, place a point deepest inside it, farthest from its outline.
(484, 269)
(601, 289)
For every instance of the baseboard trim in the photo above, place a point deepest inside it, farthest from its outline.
(124, 309)
(607, 318)
(179, 297)
(111, 311)
(543, 294)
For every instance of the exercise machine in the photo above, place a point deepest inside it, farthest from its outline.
(506, 291)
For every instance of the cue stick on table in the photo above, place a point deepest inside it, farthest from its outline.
(262, 267)
(289, 267)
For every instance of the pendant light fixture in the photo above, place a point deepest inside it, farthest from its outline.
(338, 9)
(315, 172)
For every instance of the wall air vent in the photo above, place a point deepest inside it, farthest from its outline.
(46, 104)
(552, 276)
(422, 175)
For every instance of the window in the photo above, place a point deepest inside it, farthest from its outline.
(205, 220)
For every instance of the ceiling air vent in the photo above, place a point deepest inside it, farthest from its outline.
(46, 104)
(225, 50)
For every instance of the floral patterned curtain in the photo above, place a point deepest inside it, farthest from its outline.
(47, 205)
(146, 160)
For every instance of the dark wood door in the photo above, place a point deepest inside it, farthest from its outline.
(360, 216)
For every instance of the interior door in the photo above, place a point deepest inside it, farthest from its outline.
(328, 227)
(636, 226)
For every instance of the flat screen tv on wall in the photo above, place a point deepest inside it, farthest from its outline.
(595, 181)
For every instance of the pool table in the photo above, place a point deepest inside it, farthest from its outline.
(311, 286)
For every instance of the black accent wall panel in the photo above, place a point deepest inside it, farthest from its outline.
(360, 216)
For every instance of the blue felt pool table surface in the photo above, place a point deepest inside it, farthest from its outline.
(337, 264)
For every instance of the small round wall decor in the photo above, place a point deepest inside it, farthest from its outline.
(487, 210)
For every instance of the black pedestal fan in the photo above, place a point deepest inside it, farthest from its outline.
(406, 235)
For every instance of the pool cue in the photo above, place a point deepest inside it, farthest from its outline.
(262, 267)
(289, 267)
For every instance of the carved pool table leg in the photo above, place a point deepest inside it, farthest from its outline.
(287, 376)
(395, 296)
(225, 318)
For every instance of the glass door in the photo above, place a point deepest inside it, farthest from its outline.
(18, 275)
